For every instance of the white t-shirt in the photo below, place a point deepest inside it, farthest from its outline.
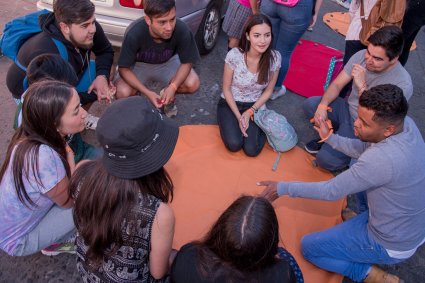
(244, 85)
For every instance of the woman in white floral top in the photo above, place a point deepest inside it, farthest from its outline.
(250, 74)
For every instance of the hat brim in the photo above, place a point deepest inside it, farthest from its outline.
(149, 161)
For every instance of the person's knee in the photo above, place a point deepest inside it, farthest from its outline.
(251, 150)
(310, 105)
(307, 246)
(192, 82)
(324, 160)
(328, 160)
(123, 90)
(233, 144)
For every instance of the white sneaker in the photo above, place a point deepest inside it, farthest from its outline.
(278, 93)
(91, 122)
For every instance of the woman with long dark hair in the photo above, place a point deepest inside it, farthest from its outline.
(125, 226)
(242, 246)
(250, 73)
(34, 199)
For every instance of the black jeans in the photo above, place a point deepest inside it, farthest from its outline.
(414, 19)
(231, 133)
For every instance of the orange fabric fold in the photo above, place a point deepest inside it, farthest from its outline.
(208, 178)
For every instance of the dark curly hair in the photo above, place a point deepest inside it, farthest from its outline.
(388, 103)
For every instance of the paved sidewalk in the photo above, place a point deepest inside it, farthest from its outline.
(198, 109)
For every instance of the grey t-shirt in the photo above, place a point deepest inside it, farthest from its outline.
(397, 75)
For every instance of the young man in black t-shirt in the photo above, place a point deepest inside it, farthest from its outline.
(160, 48)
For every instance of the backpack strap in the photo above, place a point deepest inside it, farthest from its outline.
(61, 48)
(276, 161)
(62, 52)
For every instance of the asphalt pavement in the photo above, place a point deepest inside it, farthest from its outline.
(199, 108)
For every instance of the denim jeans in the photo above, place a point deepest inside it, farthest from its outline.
(231, 133)
(327, 157)
(288, 25)
(347, 249)
(57, 226)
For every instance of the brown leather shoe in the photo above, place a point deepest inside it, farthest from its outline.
(347, 214)
(377, 275)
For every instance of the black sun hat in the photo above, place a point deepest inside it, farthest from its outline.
(137, 140)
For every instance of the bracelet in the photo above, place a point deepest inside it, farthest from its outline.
(254, 109)
(173, 86)
(331, 131)
(324, 107)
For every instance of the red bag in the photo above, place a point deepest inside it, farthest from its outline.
(313, 66)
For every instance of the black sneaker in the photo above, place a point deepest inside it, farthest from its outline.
(313, 146)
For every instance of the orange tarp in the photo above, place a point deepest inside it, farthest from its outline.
(207, 178)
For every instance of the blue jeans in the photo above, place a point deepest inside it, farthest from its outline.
(327, 157)
(288, 25)
(347, 249)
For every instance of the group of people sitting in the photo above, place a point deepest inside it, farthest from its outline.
(112, 201)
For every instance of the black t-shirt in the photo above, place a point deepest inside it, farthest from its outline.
(185, 269)
(139, 46)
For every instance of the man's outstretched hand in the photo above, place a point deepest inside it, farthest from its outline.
(270, 191)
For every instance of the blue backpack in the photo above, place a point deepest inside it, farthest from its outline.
(15, 33)
(19, 30)
(280, 134)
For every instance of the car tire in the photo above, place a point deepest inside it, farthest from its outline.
(209, 29)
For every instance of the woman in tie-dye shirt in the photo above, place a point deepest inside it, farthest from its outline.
(34, 201)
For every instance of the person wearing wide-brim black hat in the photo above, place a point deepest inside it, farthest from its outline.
(125, 226)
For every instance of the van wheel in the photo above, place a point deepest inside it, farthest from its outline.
(207, 34)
